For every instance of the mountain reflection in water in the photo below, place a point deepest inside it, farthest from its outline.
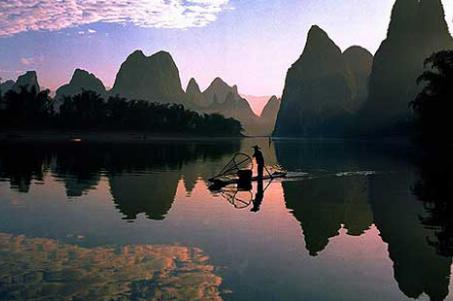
(354, 226)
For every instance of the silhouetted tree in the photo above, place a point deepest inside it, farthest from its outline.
(115, 114)
(90, 111)
(26, 108)
(82, 111)
(434, 105)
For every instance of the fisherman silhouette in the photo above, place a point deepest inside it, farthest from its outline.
(258, 155)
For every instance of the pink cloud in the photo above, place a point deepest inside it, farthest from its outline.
(31, 15)
(27, 61)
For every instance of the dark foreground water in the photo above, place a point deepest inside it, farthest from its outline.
(137, 222)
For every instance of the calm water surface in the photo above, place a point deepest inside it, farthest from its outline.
(353, 229)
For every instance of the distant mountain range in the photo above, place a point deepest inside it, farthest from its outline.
(6, 86)
(330, 93)
(327, 92)
(156, 79)
(28, 81)
(257, 102)
(81, 80)
(323, 87)
(417, 29)
(221, 98)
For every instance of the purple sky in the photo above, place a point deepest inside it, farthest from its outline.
(249, 43)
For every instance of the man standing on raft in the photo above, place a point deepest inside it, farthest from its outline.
(258, 155)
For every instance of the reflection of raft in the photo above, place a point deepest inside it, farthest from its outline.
(239, 171)
(236, 180)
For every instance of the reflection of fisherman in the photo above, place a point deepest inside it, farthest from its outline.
(258, 196)
(258, 155)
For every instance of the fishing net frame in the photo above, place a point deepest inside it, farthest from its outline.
(240, 161)
(231, 195)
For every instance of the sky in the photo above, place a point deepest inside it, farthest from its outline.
(251, 43)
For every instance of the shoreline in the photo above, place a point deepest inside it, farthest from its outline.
(55, 136)
(50, 136)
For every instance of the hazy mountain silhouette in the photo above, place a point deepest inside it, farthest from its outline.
(360, 63)
(271, 108)
(258, 102)
(29, 80)
(154, 78)
(417, 29)
(195, 96)
(268, 117)
(6, 86)
(218, 91)
(81, 80)
(320, 89)
(225, 100)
